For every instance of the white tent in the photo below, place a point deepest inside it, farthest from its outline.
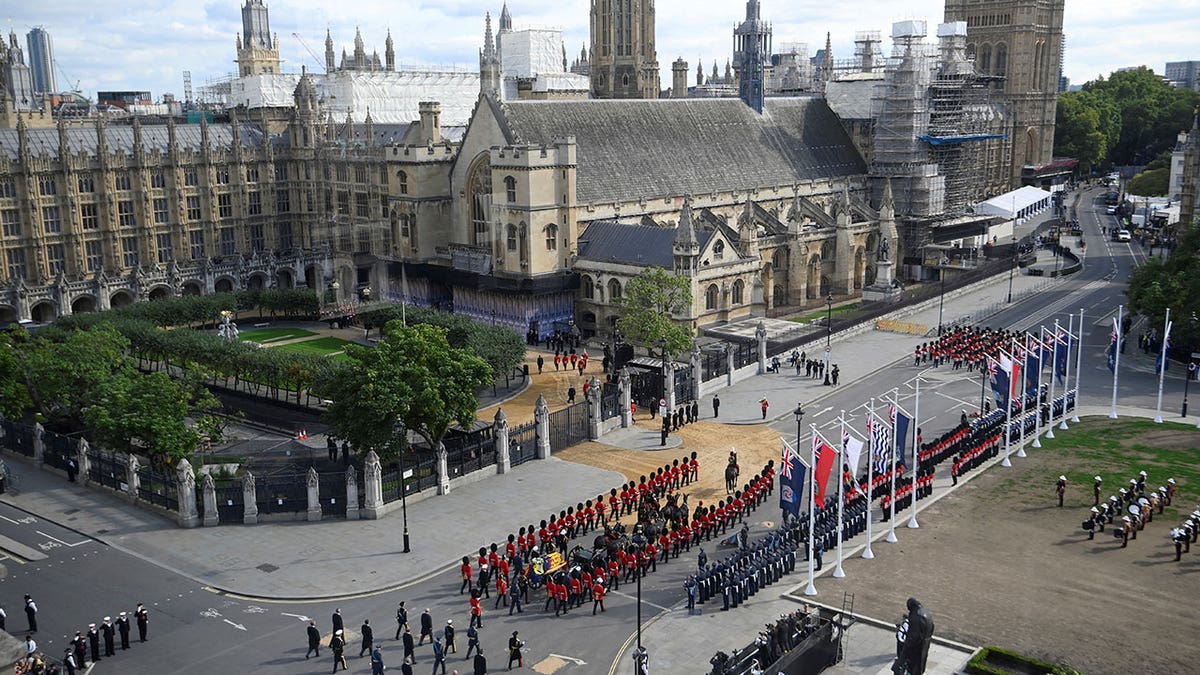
(1018, 204)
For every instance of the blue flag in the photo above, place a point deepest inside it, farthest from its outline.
(1112, 349)
(902, 428)
(999, 380)
(791, 481)
(1061, 349)
(1162, 362)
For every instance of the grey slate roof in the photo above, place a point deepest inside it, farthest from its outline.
(658, 148)
(646, 245)
(120, 138)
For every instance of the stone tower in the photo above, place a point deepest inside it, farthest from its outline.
(257, 49)
(624, 63)
(751, 55)
(1189, 193)
(489, 62)
(1020, 41)
(679, 77)
(685, 249)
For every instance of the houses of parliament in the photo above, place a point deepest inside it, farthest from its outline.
(548, 188)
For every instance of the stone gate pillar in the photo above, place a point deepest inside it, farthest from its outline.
(541, 416)
(373, 479)
(595, 414)
(728, 365)
(443, 470)
(626, 386)
(132, 480)
(697, 368)
(313, 482)
(39, 442)
(669, 386)
(185, 495)
(249, 500)
(212, 517)
(760, 337)
(351, 494)
(82, 461)
(500, 432)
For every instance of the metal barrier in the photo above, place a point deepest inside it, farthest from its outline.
(231, 507)
(281, 493)
(714, 364)
(18, 437)
(331, 490)
(155, 487)
(568, 426)
(744, 354)
(522, 443)
(59, 450)
(108, 469)
(610, 400)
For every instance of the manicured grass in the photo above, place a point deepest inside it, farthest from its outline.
(266, 335)
(322, 346)
(1116, 450)
(841, 310)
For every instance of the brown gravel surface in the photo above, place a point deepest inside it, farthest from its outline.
(710, 441)
(998, 563)
(551, 383)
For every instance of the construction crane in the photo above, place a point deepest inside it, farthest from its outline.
(320, 62)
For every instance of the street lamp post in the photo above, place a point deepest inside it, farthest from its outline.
(799, 413)
(639, 541)
(402, 431)
(662, 353)
(828, 334)
(1013, 268)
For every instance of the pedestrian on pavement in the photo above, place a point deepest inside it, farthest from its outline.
(833, 374)
(426, 627)
(31, 610)
(541, 362)
(331, 447)
(345, 453)
(143, 620)
(377, 666)
(93, 637)
(401, 619)
(716, 405)
(79, 643)
(108, 632)
(571, 394)
(480, 663)
(368, 638)
(701, 559)
(337, 645)
(72, 469)
(764, 404)
(123, 629)
(314, 640)
(439, 655)
(410, 649)
(30, 645)
(515, 644)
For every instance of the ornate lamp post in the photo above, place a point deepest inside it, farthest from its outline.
(402, 432)
(828, 334)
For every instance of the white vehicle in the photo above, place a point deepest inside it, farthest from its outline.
(1124, 235)
(1110, 210)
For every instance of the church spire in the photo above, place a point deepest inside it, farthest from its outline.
(389, 52)
(686, 248)
(330, 64)
(827, 69)
(505, 19)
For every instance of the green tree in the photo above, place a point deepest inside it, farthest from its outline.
(146, 412)
(61, 376)
(648, 304)
(414, 376)
(1173, 283)
(1078, 130)
(1151, 183)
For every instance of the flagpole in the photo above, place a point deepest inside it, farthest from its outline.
(916, 423)
(1162, 365)
(1053, 373)
(1078, 372)
(891, 537)
(867, 552)
(1020, 386)
(1112, 414)
(838, 572)
(1007, 420)
(812, 508)
(1067, 365)
(1037, 391)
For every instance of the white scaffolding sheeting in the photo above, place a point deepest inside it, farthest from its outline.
(390, 96)
(531, 52)
(564, 82)
(1018, 201)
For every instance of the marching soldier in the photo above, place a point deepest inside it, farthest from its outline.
(1096, 489)
(1090, 523)
(1178, 536)
(1170, 490)
(1126, 528)
(1061, 488)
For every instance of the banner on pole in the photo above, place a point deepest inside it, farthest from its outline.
(1162, 362)
(826, 455)
(1112, 348)
(791, 480)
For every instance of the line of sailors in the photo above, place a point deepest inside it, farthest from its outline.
(741, 575)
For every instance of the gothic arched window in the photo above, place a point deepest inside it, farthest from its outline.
(589, 288)
(719, 250)
(614, 290)
(479, 192)
(403, 182)
(552, 237)
(710, 297)
(511, 237)
(510, 189)
(739, 287)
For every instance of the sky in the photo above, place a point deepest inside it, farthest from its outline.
(146, 45)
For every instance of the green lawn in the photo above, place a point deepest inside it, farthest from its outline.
(322, 346)
(1116, 450)
(839, 311)
(267, 335)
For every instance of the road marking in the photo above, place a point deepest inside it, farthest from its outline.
(578, 662)
(24, 521)
(235, 625)
(298, 616)
(644, 602)
(78, 543)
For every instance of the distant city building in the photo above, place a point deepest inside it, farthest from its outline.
(1178, 157)
(1184, 74)
(1189, 190)
(41, 60)
(17, 97)
(123, 99)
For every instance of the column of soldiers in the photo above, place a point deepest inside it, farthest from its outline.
(85, 648)
(962, 347)
(740, 575)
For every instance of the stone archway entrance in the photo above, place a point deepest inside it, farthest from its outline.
(43, 312)
(83, 304)
(120, 299)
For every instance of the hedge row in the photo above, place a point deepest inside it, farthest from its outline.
(997, 661)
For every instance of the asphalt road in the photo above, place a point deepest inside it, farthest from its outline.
(194, 630)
